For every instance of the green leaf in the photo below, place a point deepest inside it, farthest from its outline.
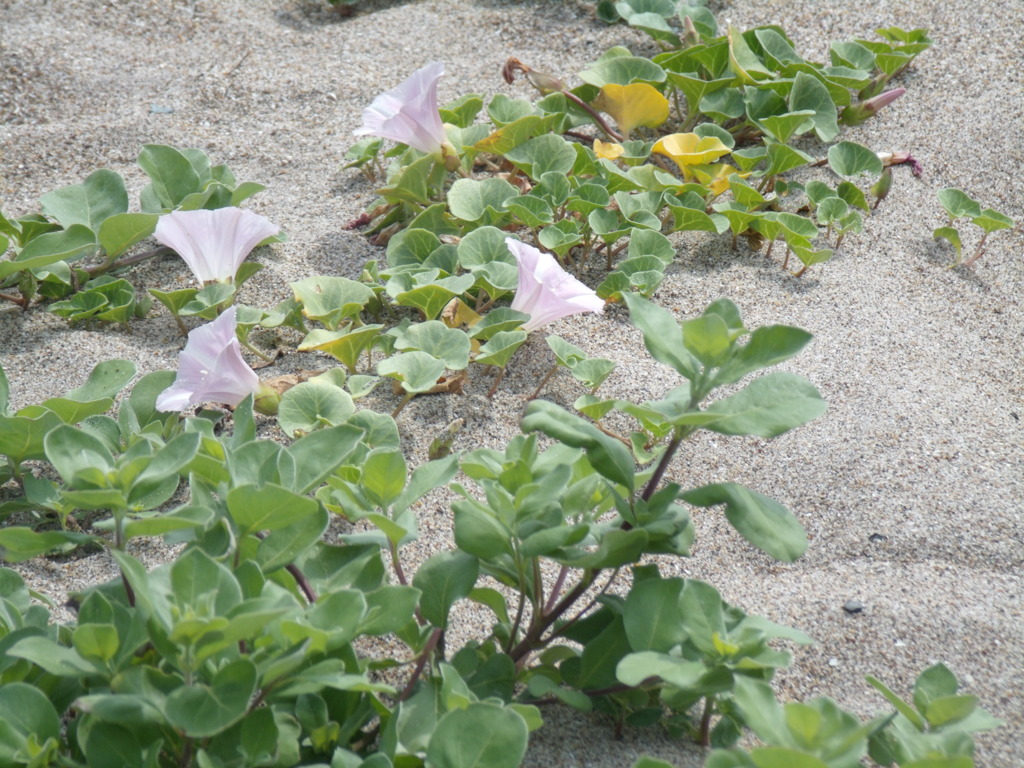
(96, 642)
(849, 159)
(389, 608)
(445, 578)
(760, 520)
(606, 454)
(767, 407)
(768, 346)
(784, 757)
(479, 736)
(472, 200)
(173, 178)
(54, 658)
(26, 710)
(345, 346)
(431, 297)
(81, 459)
(992, 221)
(544, 154)
(267, 507)
(947, 710)
(952, 234)
(19, 544)
(934, 683)
(695, 87)
(663, 336)
(67, 245)
(331, 300)
(808, 256)
(533, 211)
(21, 437)
(479, 532)
(417, 371)
(383, 477)
(106, 380)
(450, 345)
(99, 197)
(652, 616)
(707, 338)
(500, 348)
(206, 710)
(285, 545)
(313, 404)
(462, 111)
(808, 93)
(782, 158)
(618, 66)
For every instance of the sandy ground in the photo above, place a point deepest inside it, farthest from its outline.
(910, 486)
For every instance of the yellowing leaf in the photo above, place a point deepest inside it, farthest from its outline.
(608, 150)
(457, 314)
(716, 177)
(688, 149)
(632, 105)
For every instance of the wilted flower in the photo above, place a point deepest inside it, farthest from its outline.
(213, 243)
(408, 113)
(855, 114)
(547, 292)
(210, 368)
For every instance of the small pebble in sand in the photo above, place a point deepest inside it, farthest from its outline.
(853, 606)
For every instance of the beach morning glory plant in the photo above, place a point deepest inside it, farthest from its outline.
(211, 368)
(213, 243)
(408, 114)
(546, 292)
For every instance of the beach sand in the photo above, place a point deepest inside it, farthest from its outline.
(911, 486)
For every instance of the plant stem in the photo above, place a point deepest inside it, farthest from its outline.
(556, 589)
(302, 581)
(545, 380)
(662, 467)
(609, 132)
(705, 721)
(421, 662)
(102, 269)
(19, 300)
(537, 628)
(405, 401)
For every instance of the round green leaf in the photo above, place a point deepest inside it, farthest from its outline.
(848, 159)
(480, 736)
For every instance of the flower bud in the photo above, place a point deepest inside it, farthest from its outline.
(855, 114)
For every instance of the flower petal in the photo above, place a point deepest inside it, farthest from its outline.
(546, 292)
(213, 243)
(210, 368)
(408, 113)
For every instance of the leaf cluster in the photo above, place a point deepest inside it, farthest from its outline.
(959, 205)
(68, 250)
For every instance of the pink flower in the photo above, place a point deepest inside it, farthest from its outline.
(408, 113)
(547, 292)
(210, 368)
(213, 243)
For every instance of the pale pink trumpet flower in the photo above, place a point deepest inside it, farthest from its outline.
(211, 369)
(408, 114)
(547, 292)
(213, 243)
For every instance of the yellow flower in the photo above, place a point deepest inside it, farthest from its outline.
(689, 149)
(608, 150)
